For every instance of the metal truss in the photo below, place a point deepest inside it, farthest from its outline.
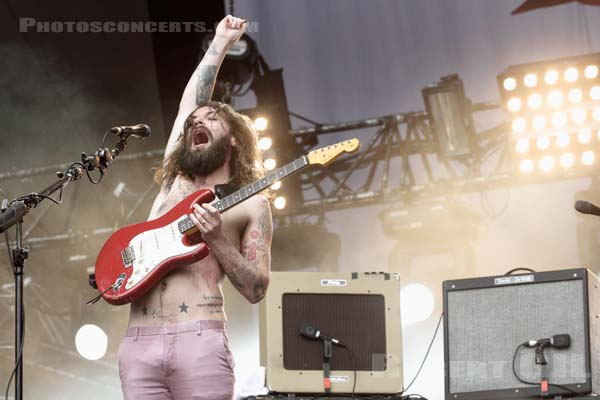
(399, 162)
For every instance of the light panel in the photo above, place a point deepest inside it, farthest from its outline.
(553, 108)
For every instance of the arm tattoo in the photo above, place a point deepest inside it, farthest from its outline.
(206, 83)
(259, 288)
(212, 50)
(249, 274)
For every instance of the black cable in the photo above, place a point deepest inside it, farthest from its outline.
(104, 138)
(12, 265)
(426, 354)
(20, 357)
(353, 366)
(534, 383)
(43, 196)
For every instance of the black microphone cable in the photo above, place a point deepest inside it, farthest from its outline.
(426, 355)
(519, 347)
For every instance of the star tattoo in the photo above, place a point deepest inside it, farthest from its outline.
(183, 308)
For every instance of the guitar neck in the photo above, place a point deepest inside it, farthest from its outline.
(322, 156)
(250, 190)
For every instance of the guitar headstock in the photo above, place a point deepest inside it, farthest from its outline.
(327, 154)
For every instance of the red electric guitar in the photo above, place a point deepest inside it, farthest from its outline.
(136, 257)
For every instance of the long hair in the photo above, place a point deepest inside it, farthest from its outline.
(244, 164)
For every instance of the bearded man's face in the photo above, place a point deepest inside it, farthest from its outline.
(207, 143)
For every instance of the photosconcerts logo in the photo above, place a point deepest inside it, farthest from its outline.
(27, 24)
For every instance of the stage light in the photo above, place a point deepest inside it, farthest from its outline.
(522, 145)
(595, 93)
(279, 202)
(543, 142)
(260, 124)
(567, 160)
(596, 114)
(416, 303)
(563, 140)
(571, 74)
(276, 185)
(539, 122)
(559, 119)
(548, 104)
(514, 104)
(91, 342)
(591, 71)
(575, 95)
(449, 111)
(535, 101)
(270, 164)
(265, 143)
(519, 125)
(547, 163)
(509, 84)
(555, 98)
(530, 80)
(588, 157)
(526, 166)
(240, 68)
(578, 116)
(551, 76)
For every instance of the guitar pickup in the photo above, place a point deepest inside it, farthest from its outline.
(128, 256)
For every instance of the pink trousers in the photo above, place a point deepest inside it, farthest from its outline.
(188, 361)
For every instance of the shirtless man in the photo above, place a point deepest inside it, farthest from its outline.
(176, 345)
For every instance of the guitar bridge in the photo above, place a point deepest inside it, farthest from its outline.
(128, 256)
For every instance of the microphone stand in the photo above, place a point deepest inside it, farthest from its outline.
(540, 359)
(12, 214)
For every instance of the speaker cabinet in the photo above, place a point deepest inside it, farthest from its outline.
(487, 318)
(361, 310)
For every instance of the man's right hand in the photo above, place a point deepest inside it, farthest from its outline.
(231, 29)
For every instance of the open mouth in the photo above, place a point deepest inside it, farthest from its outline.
(200, 136)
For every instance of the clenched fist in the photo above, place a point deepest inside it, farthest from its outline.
(231, 28)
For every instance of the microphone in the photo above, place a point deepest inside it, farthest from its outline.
(561, 341)
(139, 131)
(314, 333)
(585, 207)
(13, 214)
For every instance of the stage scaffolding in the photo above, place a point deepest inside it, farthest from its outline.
(399, 162)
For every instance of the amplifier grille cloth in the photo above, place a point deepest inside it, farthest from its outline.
(355, 319)
(486, 325)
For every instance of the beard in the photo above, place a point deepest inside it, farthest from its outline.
(203, 162)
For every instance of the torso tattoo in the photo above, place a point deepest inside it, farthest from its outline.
(192, 292)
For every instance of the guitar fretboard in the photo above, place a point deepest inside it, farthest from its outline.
(250, 190)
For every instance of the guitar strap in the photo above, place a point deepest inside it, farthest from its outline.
(225, 189)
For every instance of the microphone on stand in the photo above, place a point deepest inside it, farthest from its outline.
(314, 333)
(139, 131)
(585, 207)
(561, 341)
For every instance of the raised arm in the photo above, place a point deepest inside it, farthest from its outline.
(249, 269)
(199, 88)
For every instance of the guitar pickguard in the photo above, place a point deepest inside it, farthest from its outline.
(153, 247)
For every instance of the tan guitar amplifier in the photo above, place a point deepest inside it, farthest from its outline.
(361, 310)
